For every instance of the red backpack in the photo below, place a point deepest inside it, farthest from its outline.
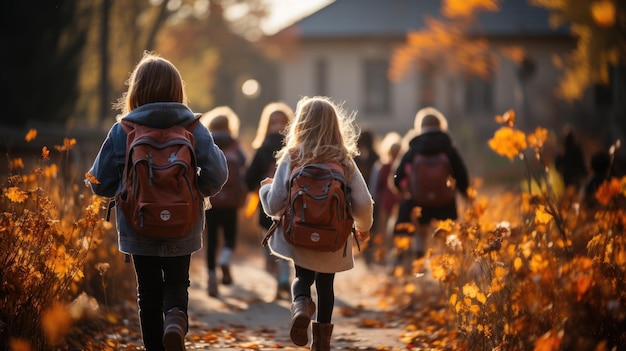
(430, 179)
(317, 214)
(160, 196)
(234, 192)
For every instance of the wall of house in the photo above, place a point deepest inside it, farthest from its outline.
(535, 103)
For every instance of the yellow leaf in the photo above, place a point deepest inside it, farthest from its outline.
(470, 290)
(453, 299)
(45, 153)
(16, 194)
(517, 263)
(91, 178)
(508, 142)
(481, 297)
(16, 163)
(31, 135)
(541, 216)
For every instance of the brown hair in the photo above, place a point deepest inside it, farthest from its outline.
(154, 79)
(270, 110)
(221, 118)
(321, 132)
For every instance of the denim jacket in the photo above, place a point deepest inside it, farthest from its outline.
(108, 169)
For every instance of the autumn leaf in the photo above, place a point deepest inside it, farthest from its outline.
(68, 144)
(16, 194)
(45, 153)
(31, 135)
(507, 119)
(508, 142)
(548, 342)
(541, 215)
(517, 263)
(607, 190)
(470, 290)
(603, 13)
(91, 178)
(537, 139)
(16, 163)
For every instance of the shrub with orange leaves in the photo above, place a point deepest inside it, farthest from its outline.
(531, 270)
(47, 236)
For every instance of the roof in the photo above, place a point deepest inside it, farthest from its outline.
(393, 18)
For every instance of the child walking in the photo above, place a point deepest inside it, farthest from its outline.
(156, 98)
(319, 133)
(267, 142)
(223, 124)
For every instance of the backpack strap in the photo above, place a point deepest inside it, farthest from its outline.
(270, 232)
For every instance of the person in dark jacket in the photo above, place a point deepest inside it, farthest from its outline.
(570, 162)
(223, 123)
(268, 141)
(429, 136)
(156, 98)
(601, 167)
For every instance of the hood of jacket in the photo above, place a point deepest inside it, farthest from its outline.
(430, 142)
(222, 139)
(161, 115)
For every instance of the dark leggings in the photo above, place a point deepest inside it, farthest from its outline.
(162, 284)
(226, 218)
(324, 284)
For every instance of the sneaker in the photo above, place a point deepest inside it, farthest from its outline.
(227, 279)
(175, 328)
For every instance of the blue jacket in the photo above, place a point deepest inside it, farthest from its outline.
(108, 169)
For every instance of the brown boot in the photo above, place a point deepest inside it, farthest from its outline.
(175, 328)
(321, 336)
(301, 311)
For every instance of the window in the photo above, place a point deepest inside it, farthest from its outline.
(376, 94)
(321, 77)
(478, 95)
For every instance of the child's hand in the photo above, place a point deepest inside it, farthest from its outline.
(267, 181)
(363, 235)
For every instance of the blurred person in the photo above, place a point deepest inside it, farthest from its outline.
(223, 124)
(319, 133)
(429, 137)
(368, 156)
(386, 197)
(570, 162)
(601, 172)
(269, 140)
(156, 98)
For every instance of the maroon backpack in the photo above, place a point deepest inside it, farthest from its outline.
(317, 214)
(160, 196)
(233, 193)
(430, 179)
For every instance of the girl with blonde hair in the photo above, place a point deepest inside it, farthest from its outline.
(320, 133)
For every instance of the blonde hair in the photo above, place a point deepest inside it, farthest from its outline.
(264, 122)
(321, 131)
(221, 118)
(154, 79)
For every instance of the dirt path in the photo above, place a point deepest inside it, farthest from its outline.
(246, 315)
